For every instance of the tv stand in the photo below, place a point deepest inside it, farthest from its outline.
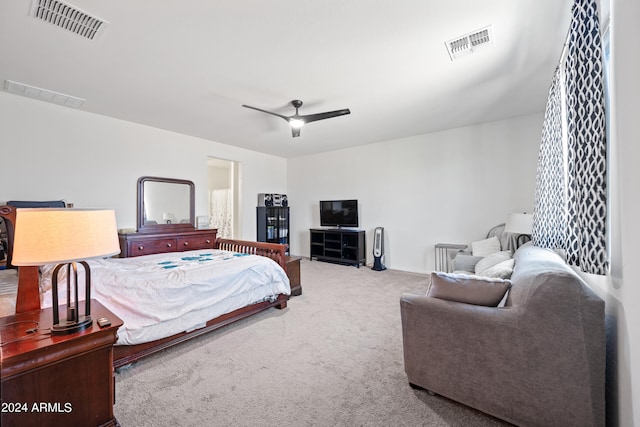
(341, 245)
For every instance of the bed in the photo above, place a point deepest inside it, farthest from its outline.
(168, 298)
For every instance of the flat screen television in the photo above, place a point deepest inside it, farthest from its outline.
(339, 213)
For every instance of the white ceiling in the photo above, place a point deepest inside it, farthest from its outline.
(188, 66)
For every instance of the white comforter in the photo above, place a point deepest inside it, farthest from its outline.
(160, 295)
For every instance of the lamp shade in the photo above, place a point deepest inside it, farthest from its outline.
(519, 223)
(47, 236)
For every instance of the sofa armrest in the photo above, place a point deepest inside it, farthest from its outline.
(498, 360)
(457, 334)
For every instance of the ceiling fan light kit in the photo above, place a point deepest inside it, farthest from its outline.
(296, 121)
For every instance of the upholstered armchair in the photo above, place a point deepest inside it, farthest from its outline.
(538, 360)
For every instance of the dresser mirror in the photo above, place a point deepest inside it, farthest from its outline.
(165, 205)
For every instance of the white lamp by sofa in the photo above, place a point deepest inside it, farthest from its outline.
(520, 224)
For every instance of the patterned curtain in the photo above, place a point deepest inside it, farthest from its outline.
(586, 143)
(549, 216)
(571, 213)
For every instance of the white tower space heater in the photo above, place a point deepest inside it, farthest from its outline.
(378, 249)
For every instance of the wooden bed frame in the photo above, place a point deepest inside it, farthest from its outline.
(125, 354)
(28, 296)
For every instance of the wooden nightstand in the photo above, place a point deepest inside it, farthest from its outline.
(293, 272)
(57, 380)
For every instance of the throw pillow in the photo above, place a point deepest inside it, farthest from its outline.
(465, 262)
(468, 289)
(485, 247)
(502, 270)
(491, 260)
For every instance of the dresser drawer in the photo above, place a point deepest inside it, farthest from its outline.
(155, 246)
(136, 244)
(191, 243)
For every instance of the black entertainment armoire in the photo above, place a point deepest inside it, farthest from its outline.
(273, 224)
(344, 246)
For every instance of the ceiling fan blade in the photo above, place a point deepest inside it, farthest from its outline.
(265, 111)
(321, 116)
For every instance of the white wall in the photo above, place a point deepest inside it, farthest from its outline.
(450, 186)
(623, 290)
(54, 152)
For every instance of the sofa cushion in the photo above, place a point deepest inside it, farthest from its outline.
(491, 260)
(485, 247)
(465, 262)
(501, 270)
(468, 289)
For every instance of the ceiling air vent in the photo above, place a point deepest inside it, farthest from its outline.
(68, 17)
(43, 94)
(470, 43)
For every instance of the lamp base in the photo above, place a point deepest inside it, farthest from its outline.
(68, 327)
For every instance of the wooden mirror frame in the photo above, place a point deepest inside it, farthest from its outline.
(160, 228)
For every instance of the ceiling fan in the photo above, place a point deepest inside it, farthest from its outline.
(297, 121)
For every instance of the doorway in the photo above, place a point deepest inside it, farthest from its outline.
(223, 197)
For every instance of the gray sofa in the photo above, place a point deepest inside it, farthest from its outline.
(537, 361)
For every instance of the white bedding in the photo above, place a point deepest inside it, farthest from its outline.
(160, 295)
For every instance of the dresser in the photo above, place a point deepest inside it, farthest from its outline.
(56, 380)
(136, 244)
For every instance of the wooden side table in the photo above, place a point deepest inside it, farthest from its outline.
(57, 380)
(293, 272)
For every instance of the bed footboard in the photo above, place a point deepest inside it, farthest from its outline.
(274, 251)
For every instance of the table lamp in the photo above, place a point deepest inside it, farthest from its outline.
(520, 224)
(65, 237)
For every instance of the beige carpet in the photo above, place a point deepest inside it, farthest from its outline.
(333, 357)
